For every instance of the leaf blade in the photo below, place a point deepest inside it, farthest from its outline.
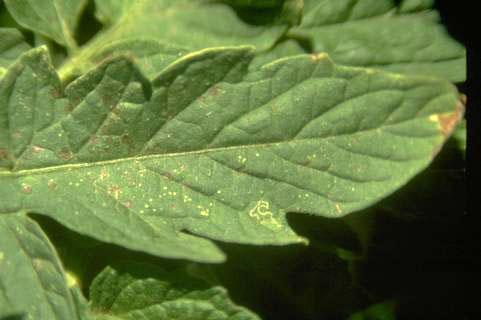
(12, 45)
(378, 34)
(229, 158)
(191, 25)
(32, 280)
(117, 292)
(55, 19)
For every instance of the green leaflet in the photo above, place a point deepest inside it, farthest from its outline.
(206, 149)
(377, 34)
(32, 280)
(187, 24)
(415, 5)
(56, 19)
(385, 310)
(150, 55)
(12, 45)
(142, 291)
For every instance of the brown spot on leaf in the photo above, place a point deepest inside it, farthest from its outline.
(56, 93)
(65, 154)
(3, 154)
(127, 140)
(116, 112)
(447, 122)
(69, 108)
(128, 204)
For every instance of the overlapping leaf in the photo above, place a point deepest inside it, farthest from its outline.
(56, 19)
(151, 56)
(185, 24)
(12, 45)
(32, 280)
(141, 291)
(378, 34)
(208, 149)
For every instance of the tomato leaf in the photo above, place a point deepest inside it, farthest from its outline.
(208, 149)
(56, 19)
(119, 292)
(32, 280)
(378, 34)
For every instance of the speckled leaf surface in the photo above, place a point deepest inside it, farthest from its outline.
(210, 149)
(12, 45)
(56, 19)
(119, 292)
(32, 280)
(378, 34)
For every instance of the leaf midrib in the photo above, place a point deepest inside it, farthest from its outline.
(73, 166)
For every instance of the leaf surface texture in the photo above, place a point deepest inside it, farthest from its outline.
(140, 291)
(378, 34)
(32, 280)
(210, 148)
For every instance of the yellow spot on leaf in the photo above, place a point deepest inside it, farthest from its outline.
(261, 212)
(51, 184)
(103, 174)
(318, 56)
(26, 188)
(72, 280)
(338, 208)
(114, 190)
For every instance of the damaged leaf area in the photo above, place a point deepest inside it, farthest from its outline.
(138, 163)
